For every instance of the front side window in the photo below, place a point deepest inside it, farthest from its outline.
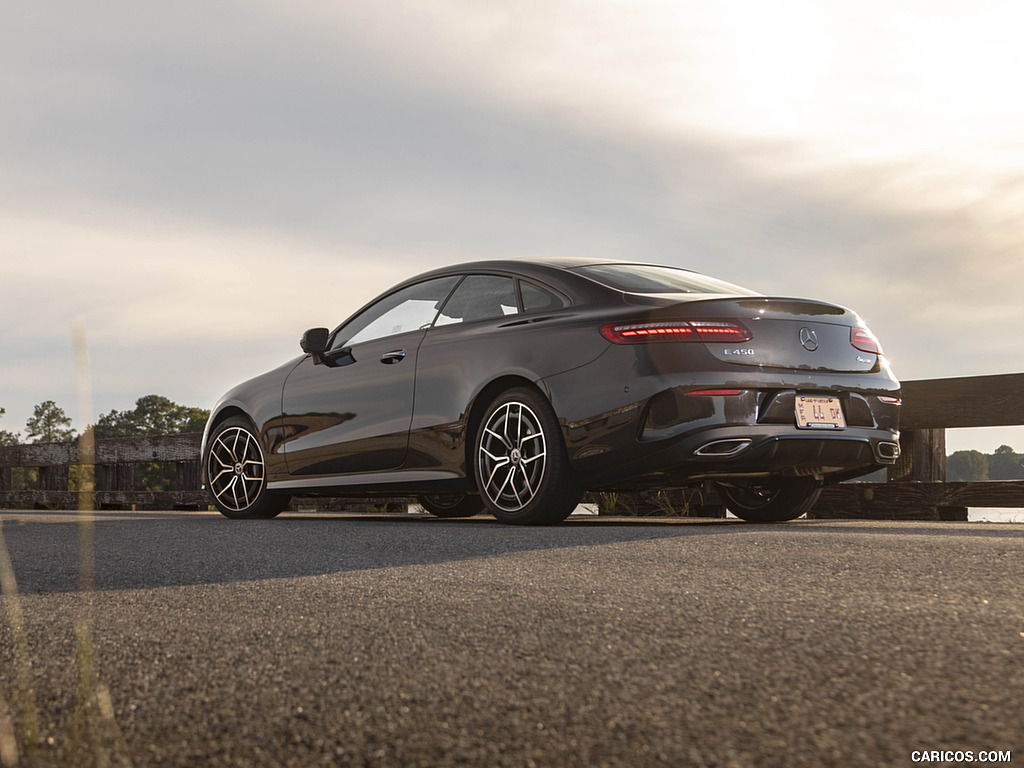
(406, 310)
(480, 297)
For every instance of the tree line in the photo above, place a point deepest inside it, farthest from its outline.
(152, 415)
(975, 466)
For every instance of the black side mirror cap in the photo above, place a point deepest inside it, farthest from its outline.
(314, 341)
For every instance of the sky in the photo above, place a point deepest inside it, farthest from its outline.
(193, 184)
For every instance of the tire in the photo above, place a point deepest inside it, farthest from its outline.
(236, 474)
(522, 470)
(772, 501)
(452, 504)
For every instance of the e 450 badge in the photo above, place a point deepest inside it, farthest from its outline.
(739, 352)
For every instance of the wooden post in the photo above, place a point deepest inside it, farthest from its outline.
(6, 479)
(929, 455)
(187, 476)
(922, 457)
(930, 467)
(119, 477)
(53, 478)
(903, 469)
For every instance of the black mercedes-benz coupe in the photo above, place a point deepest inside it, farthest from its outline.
(514, 386)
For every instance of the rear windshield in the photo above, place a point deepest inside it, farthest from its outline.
(646, 278)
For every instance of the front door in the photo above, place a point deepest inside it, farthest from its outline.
(352, 413)
(349, 411)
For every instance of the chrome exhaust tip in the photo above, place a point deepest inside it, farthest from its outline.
(888, 451)
(723, 449)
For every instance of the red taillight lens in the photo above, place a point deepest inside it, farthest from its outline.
(676, 330)
(640, 332)
(716, 330)
(865, 341)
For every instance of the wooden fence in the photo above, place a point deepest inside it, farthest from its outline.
(916, 488)
(115, 461)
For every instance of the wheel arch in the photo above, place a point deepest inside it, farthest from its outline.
(220, 415)
(227, 412)
(482, 399)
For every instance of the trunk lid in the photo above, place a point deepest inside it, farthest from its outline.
(786, 333)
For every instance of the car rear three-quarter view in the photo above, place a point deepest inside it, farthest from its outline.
(512, 387)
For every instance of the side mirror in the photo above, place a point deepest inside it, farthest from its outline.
(314, 342)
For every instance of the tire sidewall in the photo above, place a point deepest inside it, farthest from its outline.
(559, 492)
(468, 505)
(794, 497)
(266, 504)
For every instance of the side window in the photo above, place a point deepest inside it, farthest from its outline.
(480, 297)
(537, 299)
(405, 310)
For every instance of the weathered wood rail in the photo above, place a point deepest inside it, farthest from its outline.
(115, 460)
(916, 488)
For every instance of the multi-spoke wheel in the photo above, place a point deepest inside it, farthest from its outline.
(236, 474)
(452, 504)
(772, 500)
(522, 471)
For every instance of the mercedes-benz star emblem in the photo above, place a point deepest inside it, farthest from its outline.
(809, 339)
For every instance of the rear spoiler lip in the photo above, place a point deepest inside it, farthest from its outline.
(742, 307)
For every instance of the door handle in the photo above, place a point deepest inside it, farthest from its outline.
(395, 356)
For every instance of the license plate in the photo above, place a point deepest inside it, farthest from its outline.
(816, 412)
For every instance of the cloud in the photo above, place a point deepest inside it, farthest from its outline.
(201, 182)
(167, 308)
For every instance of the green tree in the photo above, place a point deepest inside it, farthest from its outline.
(49, 424)
(967, 466)
(152, 415)
(8, 438)
(1004, 464)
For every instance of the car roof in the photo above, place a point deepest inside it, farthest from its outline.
(557, 272)
(532, 265)
(551, 271)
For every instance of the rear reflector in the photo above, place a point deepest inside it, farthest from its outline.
(715, 393)
(865, 341)
(890, 400)
(675, 330)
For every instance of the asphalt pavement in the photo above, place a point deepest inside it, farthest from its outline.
(331, 640)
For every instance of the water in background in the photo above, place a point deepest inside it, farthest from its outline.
(995, 515)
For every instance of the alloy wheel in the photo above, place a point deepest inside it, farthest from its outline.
(236, 469)
(512, 456)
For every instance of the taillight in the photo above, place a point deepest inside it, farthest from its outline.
(712, 330)
(676, 330)
(865, 341)
(636, 332)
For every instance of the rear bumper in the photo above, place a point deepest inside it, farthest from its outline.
(751, 451)
(653, 426)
